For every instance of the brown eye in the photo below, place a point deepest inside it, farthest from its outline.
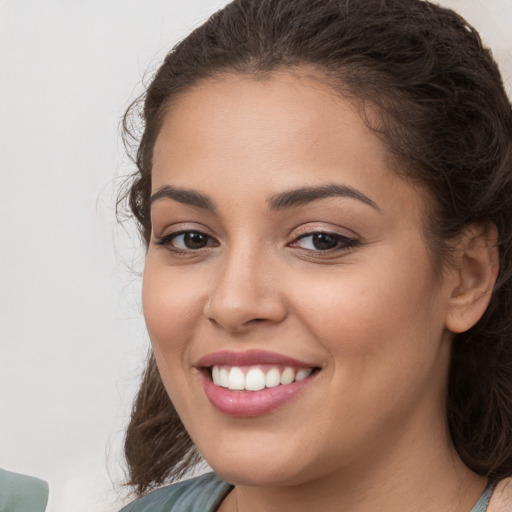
(194, 240)
(187, 241)
(324, 242)
(320, 241)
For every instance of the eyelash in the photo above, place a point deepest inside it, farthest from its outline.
(167, 241)
(342, 242)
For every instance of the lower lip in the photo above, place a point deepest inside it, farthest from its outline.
(248, 404)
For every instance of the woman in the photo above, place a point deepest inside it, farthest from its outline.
(324, 188)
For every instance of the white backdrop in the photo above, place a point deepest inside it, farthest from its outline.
(72, 339)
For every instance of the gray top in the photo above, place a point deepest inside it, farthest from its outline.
(22, 493)
(202, 494)
(206, 493)
(481, 504)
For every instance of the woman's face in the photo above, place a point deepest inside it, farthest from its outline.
(288, 260)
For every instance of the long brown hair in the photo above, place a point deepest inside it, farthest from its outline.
(445, 117)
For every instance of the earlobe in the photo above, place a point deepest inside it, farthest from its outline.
(477, 265)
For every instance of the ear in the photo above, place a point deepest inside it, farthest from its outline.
(476, 269)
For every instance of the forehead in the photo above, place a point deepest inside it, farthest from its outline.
(286, 130)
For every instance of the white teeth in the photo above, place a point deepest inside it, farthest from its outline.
(223, 378)
(288, 376)
(272, 378)
(255, 379)
(215, 374)
(303, 374)
(236, 379)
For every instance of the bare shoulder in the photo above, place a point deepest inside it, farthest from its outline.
(501, 500)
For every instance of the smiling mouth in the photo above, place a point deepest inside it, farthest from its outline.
(253, 383)
(258, 377)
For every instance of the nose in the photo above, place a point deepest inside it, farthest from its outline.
(245, 293)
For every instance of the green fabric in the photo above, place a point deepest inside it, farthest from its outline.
(205, 494)
(202, 494)
(22, 493)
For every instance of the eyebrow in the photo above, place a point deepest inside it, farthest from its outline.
(183, 195)
(289, 199)
(305, 195)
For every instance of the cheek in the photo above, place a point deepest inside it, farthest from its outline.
(384, 338)
(389, 311)
(171, 304)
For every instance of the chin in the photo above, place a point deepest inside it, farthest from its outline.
(261, 468)
(247, 474)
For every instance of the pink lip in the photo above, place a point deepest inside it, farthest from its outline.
(249, 358)
(246, 404)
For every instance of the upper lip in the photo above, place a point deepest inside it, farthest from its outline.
(249, 358)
